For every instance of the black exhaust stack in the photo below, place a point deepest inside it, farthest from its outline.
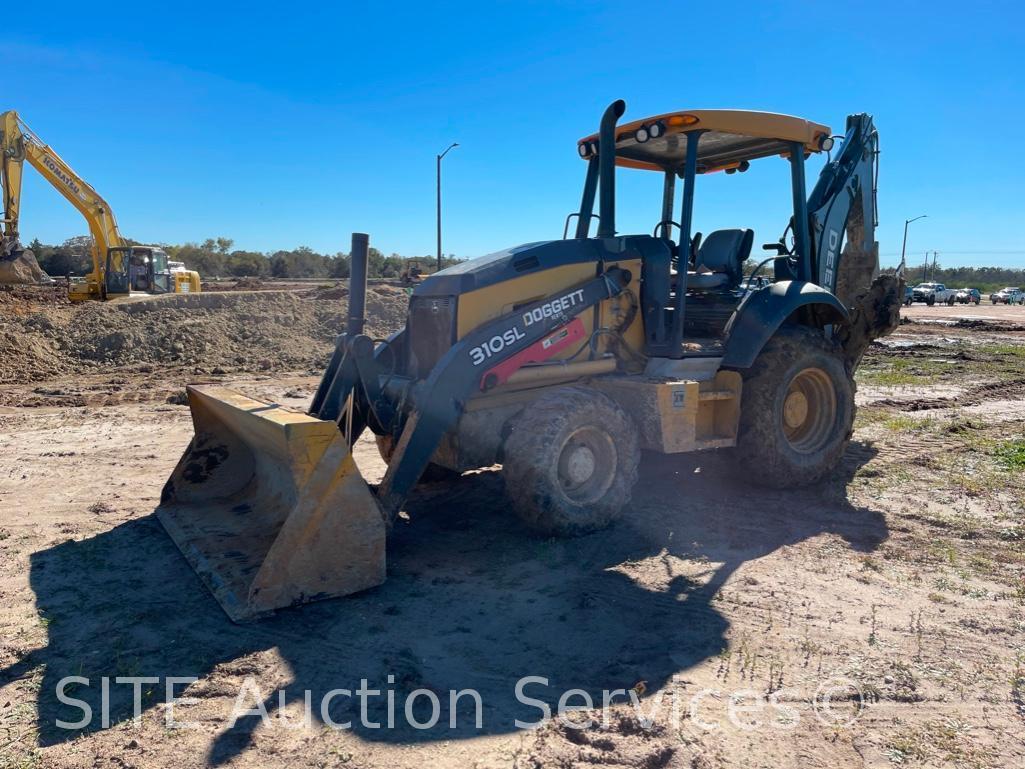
(335, 386)
(358, 258)
(607, 169)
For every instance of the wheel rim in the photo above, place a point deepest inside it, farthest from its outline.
(587, 464)
(809, 411)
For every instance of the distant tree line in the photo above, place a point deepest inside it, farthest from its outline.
(216, 257)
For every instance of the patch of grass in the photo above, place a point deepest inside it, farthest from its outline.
(901, 423)
(893, 378)
(906, 746)
(982, 564)
(975, 482)
(899, 371)
(1000, 349)
(905, 684)
(949, 741)
(867, 415)
(1011, 454)
(943, 551)
(945, 584)
(28, 760)
(868, 562)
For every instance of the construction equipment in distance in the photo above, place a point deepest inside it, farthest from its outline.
(560, 360)
(413, 271)
(119, 268)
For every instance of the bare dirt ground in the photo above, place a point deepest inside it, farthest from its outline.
(875, 620)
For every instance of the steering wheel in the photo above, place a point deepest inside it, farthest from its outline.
(662, 224)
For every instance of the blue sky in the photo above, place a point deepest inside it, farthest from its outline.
(280, 125)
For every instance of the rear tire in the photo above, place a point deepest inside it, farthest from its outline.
(797, 410)
(571, 462)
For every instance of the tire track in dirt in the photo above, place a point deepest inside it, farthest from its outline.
(971, 397)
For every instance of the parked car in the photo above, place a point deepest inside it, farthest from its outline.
(750, 284)
(931, 293)
(966, 296)
(1008, 295)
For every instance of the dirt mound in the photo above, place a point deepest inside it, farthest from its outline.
(22, 268)
(25, 297)
(337, 291)
(202, 333)
(980, 324)
(248, 284)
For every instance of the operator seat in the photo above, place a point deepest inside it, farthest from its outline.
(720, 260)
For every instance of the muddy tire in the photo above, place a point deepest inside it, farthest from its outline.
(571, 462)
(797, 410)
(432, 473)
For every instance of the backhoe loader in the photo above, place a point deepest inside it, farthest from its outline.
(119, 268)
(560, 360)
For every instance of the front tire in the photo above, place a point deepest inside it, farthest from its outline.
(570, 462)
(797, 410)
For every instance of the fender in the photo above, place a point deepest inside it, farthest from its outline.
(765, 310)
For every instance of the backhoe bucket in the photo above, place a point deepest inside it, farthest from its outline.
(269, 508)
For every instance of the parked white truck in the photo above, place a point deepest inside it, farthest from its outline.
(931, 293)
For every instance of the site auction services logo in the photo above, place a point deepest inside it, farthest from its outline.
(836, 702)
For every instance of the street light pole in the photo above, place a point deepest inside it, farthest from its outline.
(443, 154)
(903, 247)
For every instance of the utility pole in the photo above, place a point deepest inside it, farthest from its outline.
(925, 268)
(904, 246)
(443, 154)
(935, 254)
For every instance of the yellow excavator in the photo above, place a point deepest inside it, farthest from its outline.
(119, 268)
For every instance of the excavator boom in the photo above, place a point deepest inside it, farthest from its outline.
(18, 144)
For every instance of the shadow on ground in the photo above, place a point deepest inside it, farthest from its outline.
(472, 601)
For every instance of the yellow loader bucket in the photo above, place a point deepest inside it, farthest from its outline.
(269, 508)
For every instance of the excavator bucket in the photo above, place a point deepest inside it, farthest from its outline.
(269, 508)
